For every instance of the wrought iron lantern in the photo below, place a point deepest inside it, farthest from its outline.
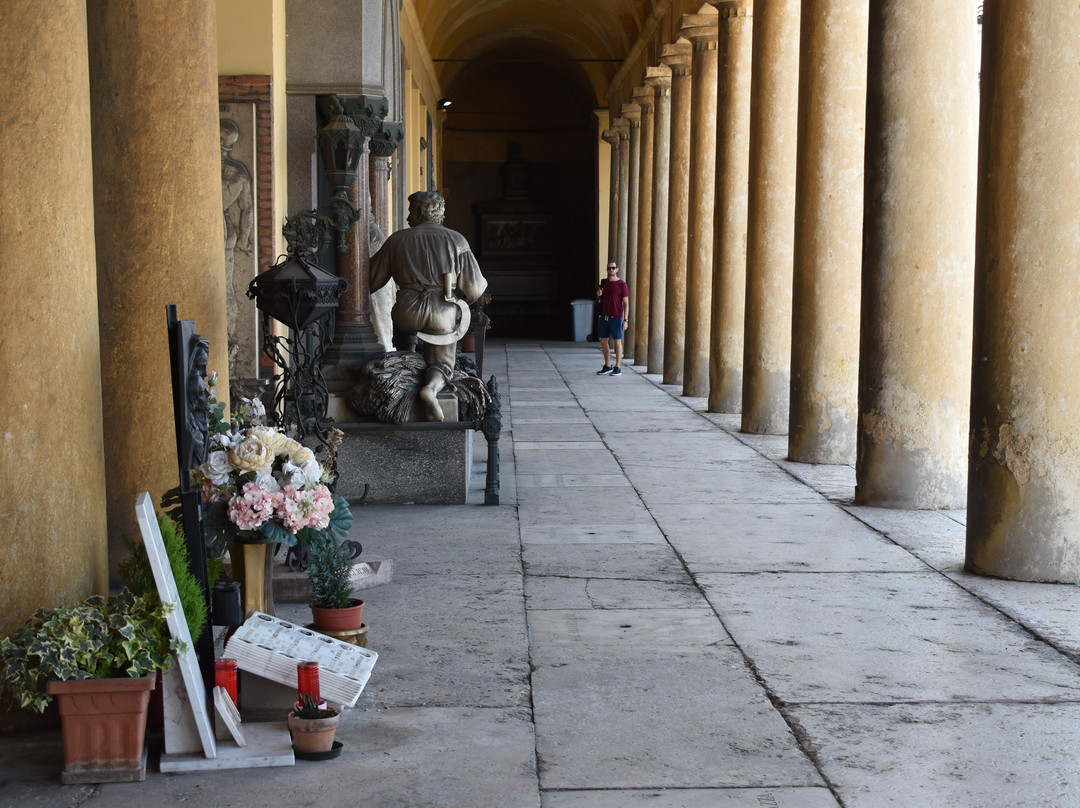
(301, 295)
(341, 145)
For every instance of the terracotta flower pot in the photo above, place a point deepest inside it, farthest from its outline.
(347, 619)
(104, 728)
(313, 734)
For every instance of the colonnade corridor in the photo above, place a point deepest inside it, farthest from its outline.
(664, 612)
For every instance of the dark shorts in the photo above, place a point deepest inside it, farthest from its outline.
(610, 327)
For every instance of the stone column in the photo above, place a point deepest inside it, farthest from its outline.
(160, 238)
(828, 232)
(701, 29)
(659, 78)
(354, 335)
(383, 146)
(679, 57)
(632, 113)
(918, 250)
(734, 55)
(51, 409)
(611, 137)
(770, 218)
(1024, 462)
(622, 126)
(645, 98)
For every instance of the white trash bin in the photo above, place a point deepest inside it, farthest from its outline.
(583, 319)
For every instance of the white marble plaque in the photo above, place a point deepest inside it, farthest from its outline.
(189, 664)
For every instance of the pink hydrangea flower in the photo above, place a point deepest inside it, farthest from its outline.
(251, 507)
(299, 508)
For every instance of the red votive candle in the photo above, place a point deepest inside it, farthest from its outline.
(307, 680)
(225, 676)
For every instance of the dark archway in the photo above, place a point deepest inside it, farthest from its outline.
(519, 172)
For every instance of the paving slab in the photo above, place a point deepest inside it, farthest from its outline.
(605, 593)
(448, 640)
(594, 459)
(596, 533)
(442, 539)
(544, 431)
(545, 506)
(790, 537)
(948, 756)
(638, 561)
(694, 798)
(866, 637)
(716, 487)
(623, 723)
(558, 636)
(572, 481)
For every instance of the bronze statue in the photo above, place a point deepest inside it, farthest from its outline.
(438, 277)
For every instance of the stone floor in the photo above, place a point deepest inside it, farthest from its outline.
(665, 612)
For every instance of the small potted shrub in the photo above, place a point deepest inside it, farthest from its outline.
(98, 658)
(312, 728)
(330, 572)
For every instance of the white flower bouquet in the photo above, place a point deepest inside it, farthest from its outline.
(260, 485)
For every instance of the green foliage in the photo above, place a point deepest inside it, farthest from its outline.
(97, 638)
(309, 709)
(329, 570)
(136, 573)
(329, 561)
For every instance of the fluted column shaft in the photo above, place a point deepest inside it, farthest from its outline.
(770, 218)
(49, 316)
(919, 235)
(155, 245)
(659, 78)
(1024, 500)
(645, 98)
(701, 29)
(828, 232)
(734, 55)
(632, 113)
(679, 58)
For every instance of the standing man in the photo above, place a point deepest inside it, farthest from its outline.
(438, 278)
(614, 297)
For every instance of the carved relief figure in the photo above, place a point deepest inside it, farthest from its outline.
(238, 207)
(437, 277)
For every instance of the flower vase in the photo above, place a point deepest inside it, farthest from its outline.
(253, 567)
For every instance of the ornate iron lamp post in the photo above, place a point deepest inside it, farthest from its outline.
(301, 295)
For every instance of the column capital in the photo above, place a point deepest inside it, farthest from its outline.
(622, 127)
(678, 56)
(659, 78)
(645, 98)
(611, 137)
(728, 9)
(702, 29)
(632, 113)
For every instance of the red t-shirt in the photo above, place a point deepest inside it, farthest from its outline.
(612, 297)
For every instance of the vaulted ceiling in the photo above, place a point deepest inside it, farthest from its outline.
(595, 34)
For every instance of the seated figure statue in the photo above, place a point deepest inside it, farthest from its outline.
(437, 277)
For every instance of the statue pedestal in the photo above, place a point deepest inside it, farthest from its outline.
(422, 463)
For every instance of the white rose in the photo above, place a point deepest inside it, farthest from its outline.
(312, 472)
(264, 479)
(292, 475)
(217, 467)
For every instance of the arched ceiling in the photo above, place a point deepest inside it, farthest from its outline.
(597, 34)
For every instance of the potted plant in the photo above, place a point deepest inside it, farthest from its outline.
(312, 728)
(98, 658)
(330, 562)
